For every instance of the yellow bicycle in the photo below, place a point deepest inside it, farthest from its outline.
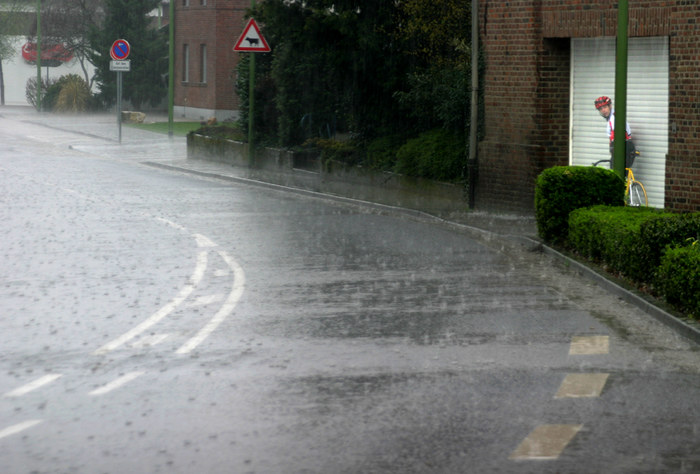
(635, 194)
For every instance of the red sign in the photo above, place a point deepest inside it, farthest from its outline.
(120, 50)
(252, 41)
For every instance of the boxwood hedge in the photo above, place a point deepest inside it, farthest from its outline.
(561, 189)
(678, 278)
(648, 246)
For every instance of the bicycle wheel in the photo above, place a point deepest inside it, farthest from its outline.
(637, 194)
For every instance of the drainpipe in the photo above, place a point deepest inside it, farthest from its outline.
(472, 164)
(619, 152)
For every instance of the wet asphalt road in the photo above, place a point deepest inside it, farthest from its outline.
(156, 321)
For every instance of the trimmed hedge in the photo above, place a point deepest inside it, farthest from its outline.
(613, 235)
(679, 278)
(562, 189)
(667, 229)
(646, 245)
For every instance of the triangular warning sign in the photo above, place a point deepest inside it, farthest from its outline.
(252, 40)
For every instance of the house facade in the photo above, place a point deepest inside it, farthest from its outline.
(205, 63)
(548, 60)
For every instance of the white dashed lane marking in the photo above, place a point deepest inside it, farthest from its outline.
(31, 386)
(18, 428)
(115, 384)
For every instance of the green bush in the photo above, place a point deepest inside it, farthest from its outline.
(437, 154)
(613, 235)
(667, 229)
(562, 189)
(679, 278)
(226, 130)
(381, 152)
(46, 85)
(332, 150)
(74, 94)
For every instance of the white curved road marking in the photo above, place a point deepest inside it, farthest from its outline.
(195, 279)
(203, 241)
(224, 311)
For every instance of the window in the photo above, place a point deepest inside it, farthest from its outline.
(203, 63)
(185, 3)
(185, 63)
(203, 3)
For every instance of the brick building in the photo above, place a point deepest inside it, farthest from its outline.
(546, 62)
(205, 33)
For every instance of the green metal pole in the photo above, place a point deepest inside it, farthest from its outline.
(621, 89)
(171, 67)
(472, 164)
(38, 55)
(251, 105)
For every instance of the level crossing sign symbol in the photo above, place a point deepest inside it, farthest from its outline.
(120, 50)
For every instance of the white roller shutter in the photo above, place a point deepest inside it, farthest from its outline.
(593, 75)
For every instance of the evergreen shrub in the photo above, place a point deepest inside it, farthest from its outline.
(678, 278)
(562, 189)
(612, 235)
(667, 229)
(437, 154)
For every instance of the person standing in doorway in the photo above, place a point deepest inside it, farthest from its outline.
(604, 106)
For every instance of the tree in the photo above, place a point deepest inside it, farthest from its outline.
(437, 35)
(129, 20)
(333, 66)
(68, 23)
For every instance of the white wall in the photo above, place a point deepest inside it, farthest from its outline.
(16, 72)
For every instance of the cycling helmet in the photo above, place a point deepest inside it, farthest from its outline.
(601, 101)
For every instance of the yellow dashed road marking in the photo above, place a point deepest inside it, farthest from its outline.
(589, 345)
(545, 442)
(582, 385)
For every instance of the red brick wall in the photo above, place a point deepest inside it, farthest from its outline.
(683, 160)
(527, 84)
(216, 24)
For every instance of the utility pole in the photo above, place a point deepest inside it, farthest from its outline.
(38, 55)
(620, 148)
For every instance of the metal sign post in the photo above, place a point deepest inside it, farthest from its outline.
(119, 52)
(119, 104)
(255, 44)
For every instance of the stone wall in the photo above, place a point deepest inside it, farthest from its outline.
(297, 170)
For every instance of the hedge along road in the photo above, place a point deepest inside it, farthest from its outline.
(341, 339)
